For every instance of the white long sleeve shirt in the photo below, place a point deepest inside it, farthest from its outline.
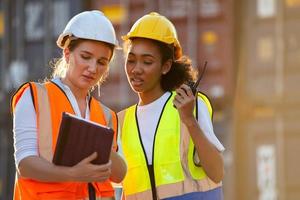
(24, 122)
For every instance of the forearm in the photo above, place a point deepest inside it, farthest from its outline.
(210, 158)
(118, 169)
(39, 169)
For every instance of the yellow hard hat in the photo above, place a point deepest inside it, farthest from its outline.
(156, 27)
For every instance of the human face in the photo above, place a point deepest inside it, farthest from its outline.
(144, 68)
(88, 62)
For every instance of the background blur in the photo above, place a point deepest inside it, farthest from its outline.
(253, 53)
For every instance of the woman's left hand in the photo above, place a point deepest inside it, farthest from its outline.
(185, 102)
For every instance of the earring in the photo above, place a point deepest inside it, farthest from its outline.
(98, 87)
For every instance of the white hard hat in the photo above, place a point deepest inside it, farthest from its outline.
(92, 25)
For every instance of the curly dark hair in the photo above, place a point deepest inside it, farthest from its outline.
(181, 70)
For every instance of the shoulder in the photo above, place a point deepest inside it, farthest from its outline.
(25, 98)
(122, 113)
(204, 104)
(106, 108)
(132, 107)
(22, 88)
(18, 94)
(204, 98)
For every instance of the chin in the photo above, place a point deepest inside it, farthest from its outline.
(84, 86)
(136, 89)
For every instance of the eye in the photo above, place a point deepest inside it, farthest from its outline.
(102, 62)
(148, 62)
(130, 61)
(86, 57)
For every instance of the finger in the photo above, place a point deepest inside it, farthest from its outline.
(179, 97)
(108, 164)
(177, 103)
(181, 92)
(90, 158)
(104, 167)
(103, 174)
(187, 89)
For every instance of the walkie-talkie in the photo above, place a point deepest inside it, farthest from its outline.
(194, 85)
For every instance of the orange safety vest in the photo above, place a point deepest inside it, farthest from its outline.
(49, 102)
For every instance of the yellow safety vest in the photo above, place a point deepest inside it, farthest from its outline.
(175, 172)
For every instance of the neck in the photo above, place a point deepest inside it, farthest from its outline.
(77, 92)
(148, 97)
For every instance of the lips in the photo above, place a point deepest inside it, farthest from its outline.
(136, 82)
(90, 78)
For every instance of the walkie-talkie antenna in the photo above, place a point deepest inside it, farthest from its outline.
(200, 77)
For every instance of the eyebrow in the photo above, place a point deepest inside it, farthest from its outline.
(101, 58)
(143, 55)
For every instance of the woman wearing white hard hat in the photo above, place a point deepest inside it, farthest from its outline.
(88, 44)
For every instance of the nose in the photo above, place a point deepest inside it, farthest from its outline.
(137, 68)
(92, 66)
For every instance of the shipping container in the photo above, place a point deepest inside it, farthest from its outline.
(267, 101)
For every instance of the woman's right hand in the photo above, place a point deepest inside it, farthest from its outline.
(37, 168)
(85, 171)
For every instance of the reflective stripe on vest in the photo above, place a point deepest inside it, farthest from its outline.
(174, 169)
(49, 102)
(196, 172)
(44, 128)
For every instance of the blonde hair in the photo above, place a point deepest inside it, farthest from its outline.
(59, 67)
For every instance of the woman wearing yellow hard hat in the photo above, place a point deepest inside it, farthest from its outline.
(169, 130)
(87, 42)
